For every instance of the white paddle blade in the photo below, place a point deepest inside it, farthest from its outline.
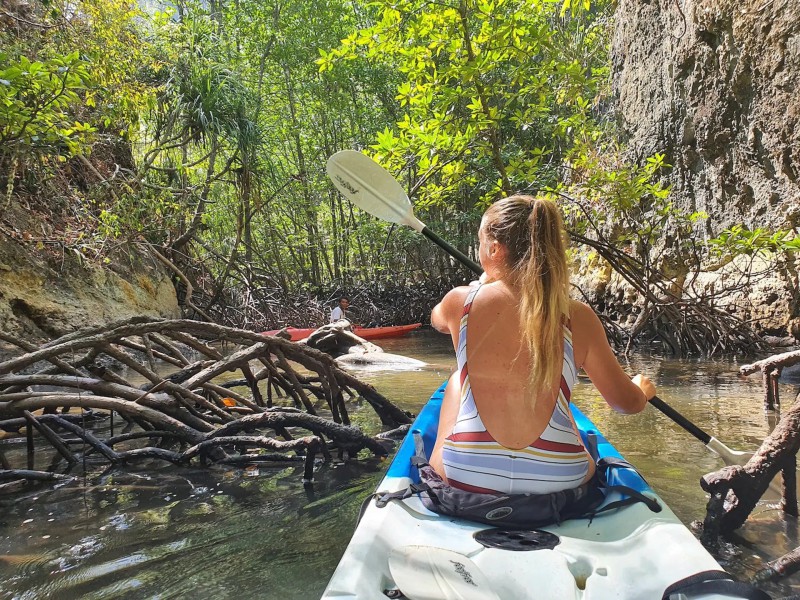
(372, 188)
(731, 457)
(740, 457)
(428, 573)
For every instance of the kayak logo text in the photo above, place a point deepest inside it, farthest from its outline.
(499, 513)
(463, 572)
(346, 185)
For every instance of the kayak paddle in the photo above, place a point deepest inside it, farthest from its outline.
(374, 190)
(428, 573)
(729, 457)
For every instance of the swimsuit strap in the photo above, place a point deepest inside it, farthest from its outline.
(461, 351)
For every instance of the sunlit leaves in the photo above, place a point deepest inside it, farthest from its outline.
(35, 102)
(487, 85)
(619, 202)
(739, 239)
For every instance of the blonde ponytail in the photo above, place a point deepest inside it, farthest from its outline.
(532, 231)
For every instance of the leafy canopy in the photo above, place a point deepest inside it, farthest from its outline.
(493, 91)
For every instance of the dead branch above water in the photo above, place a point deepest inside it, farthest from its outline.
(771, 369)
(189, 413)
(735, 490)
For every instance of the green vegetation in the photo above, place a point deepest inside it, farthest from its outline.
(34, 102)
(204, 131)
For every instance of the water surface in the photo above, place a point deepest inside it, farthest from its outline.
(157, 531)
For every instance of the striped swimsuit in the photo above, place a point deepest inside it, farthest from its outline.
(474, 461)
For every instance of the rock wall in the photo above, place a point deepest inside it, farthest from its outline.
(44, 294)
(715, 85)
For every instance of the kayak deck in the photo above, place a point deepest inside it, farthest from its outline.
(630, 553)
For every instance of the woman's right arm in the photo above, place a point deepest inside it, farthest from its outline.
(448, 415)
(446, 315)
(622, 393)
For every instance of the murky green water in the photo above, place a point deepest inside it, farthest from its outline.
(157, 531)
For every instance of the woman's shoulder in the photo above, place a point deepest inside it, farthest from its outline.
(455, 298)
(580, 311)
(458, 295)
(444, 314)
(584, 322)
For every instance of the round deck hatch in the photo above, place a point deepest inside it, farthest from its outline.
(517, 540)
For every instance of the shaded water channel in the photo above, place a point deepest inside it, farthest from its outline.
(165, 532)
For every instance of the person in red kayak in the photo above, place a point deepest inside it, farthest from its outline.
(505, 424)
(340, 311)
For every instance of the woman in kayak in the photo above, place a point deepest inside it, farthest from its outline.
(505, 424)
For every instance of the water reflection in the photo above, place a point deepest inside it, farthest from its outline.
(157, 531)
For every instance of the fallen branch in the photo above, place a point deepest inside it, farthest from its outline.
(771, 369)
(784, 566)
(190, 412)
(735, 490)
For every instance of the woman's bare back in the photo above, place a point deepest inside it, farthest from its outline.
(499, 363)
(499, 370)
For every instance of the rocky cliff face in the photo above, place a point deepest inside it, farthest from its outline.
(715, 85)
(46, 291)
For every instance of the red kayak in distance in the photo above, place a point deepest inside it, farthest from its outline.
(368, 333)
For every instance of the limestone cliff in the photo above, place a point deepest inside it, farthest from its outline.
(715, 85)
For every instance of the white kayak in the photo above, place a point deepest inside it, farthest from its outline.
(405, 551)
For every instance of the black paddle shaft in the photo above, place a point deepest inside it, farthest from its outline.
(453, 251)
(680, 419)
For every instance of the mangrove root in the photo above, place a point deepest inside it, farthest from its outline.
(59, 389)
(784, 566)
(735, 490)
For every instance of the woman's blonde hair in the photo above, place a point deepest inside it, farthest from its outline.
(532, 231)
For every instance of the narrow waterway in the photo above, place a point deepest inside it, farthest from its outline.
(158, 531)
